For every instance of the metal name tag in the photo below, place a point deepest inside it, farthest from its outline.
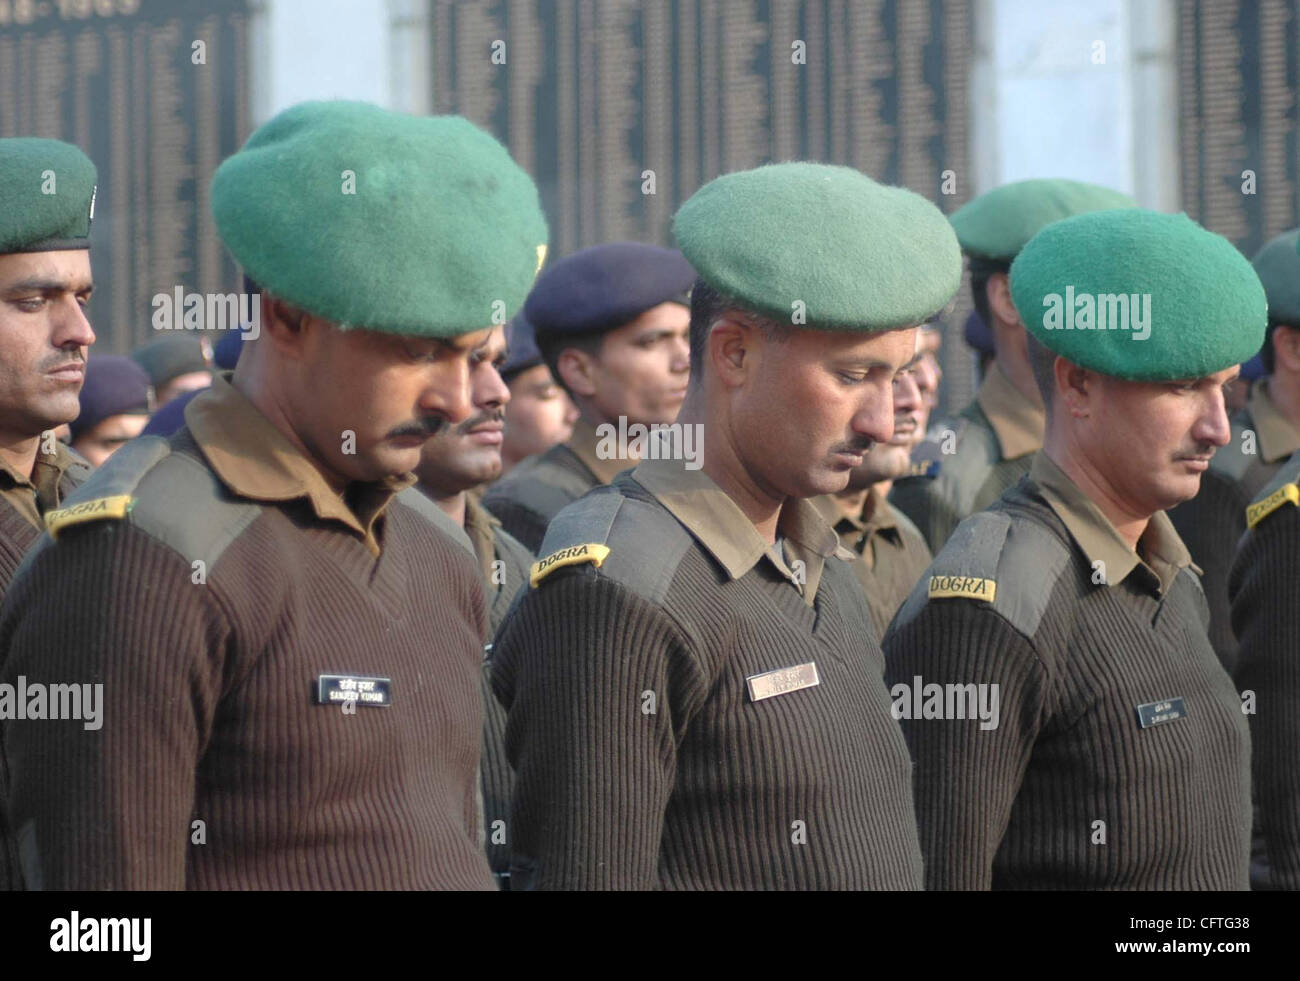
(337, 689)
(781, 681)
(1154, 713)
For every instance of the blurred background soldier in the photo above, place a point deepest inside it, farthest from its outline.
(1071, 725)
(115, 404)
(1264, 434)
(290, 651)
(540, 414)
(45, 282)
(987, 447)
(611, 322)
(891, 552)
(176, 363)
(454, 466)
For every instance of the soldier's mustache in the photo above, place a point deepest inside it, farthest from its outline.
(428, 426)
(469, 425)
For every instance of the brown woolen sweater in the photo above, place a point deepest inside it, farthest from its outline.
(1016, 806)
(709, 790)
(208, 699)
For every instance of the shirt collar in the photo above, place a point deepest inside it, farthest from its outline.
(718, 524)
(1101, 542)
(256, 460)
(481, 526)
(41, 492)
(876, 515)
(1017, 422)
(583, 443)
(1278, 438)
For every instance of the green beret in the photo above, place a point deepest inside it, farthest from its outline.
(47, 196)
(370, 218)
(1139, 295)
(996, 225)
(858, 255)
(1278, 266)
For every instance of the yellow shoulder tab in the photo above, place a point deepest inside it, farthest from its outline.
(1257, 512)
(573, 555)
(963, 587)
(115, 508)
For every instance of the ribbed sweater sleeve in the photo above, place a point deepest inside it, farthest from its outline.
(593, 769)
(967, 777)
(1265, 590)
(85, 814)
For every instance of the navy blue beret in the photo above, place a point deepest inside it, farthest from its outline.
(114, 386)
(977, 334)
(1254, 370)
(521, 347)
(606, 286)
(171, 415)
(226, 351)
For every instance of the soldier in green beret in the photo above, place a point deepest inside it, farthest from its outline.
(1071, 725)
(1264, 591)
(987, 447)
(47, 200)
(454, 468)
(1265, 433)
(289, 643)
(694, 688)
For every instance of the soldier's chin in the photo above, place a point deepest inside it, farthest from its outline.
(393, 460)
(1177, 489)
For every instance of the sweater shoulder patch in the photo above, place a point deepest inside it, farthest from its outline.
(111, 508)
(639, 544)
(1012, 566)
(592, 552)
(109, 492)
(1260, 509)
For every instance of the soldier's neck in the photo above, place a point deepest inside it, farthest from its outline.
(851, 502)
(722, 465)
(19, 453)
(1284, 393)
(1021, 375)
(453, 505)
(1091, 480)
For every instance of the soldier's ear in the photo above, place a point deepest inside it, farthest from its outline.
(1076, 388)
(284, 325)
(729, 343)
(997, 290)
(577, 369)
(1286, 348)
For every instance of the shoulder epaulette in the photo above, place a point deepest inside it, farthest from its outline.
(1010, 566)
(108, 495)
(172, 497)
(634, 542)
